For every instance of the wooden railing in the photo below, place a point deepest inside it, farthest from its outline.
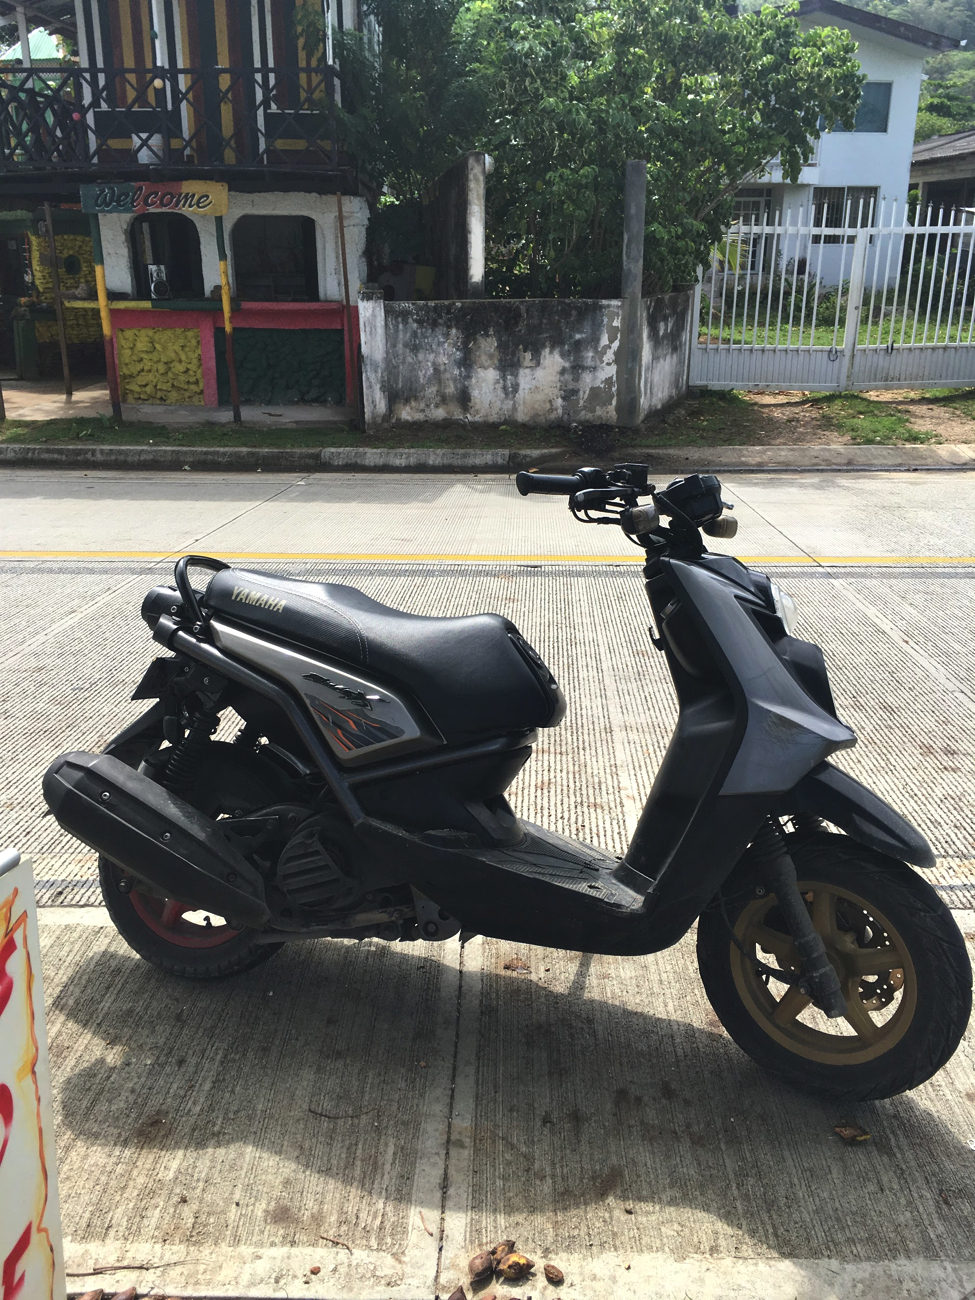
(69, 118)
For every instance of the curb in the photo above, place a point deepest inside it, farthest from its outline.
(302, 460)
(433, 460)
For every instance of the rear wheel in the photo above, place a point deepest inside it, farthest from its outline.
(178, 937)
(900, 958)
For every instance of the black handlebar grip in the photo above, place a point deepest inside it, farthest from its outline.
(555, 485)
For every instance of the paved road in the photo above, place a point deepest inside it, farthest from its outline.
(417, 1104)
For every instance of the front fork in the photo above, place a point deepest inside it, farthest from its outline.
(774, 864)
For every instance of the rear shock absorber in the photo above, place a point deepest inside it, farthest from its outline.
(184, 762)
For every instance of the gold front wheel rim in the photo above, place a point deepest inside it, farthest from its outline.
(871, 960)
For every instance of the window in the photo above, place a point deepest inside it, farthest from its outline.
(166, 256)
(751, 208)
(838, 207)
(275, 259)
(874, 110)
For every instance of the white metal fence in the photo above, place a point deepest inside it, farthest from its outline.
(871, 303)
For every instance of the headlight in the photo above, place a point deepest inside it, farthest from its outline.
(785, 607)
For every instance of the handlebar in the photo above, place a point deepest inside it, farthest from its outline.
(692, 502)
(555, 485)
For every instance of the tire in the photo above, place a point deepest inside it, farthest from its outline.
(899, 955)
(180, 938)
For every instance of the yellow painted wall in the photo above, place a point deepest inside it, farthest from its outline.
(80, 326)
(160, 365)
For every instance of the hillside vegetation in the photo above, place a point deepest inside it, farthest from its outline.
(948, 96)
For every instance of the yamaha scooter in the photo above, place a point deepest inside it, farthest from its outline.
(363, 796)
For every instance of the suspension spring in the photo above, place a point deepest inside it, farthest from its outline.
(184, 763)
(768, 844)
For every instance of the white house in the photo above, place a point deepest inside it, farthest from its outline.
(853, 177)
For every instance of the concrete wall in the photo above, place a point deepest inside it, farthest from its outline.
(322, 208)
(455, 217)
(541, 362)
(666, 349)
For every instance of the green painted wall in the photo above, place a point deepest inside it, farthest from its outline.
(284, 366)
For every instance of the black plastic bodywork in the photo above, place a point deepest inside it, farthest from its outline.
(756, 725)
(837, 798)
(131, 819)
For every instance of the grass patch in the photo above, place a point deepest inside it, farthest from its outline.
(825, 330)
(702, 419)
(706, 419)
(866, 422)
(961, 400)
(102, 430)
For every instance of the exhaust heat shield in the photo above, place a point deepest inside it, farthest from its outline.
(154, 835)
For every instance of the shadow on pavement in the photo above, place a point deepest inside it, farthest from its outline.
(327, 1059)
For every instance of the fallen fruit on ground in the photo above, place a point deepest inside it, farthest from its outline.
(515, 1266)
(481, 1266)
(553, 1274)
(851, 1133)
(501, 1249)
(459, 1294)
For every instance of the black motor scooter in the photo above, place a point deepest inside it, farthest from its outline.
(363, 796)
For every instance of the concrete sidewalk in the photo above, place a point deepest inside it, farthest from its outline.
(381, 1112)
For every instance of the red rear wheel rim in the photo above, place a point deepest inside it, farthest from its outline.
(167, 917)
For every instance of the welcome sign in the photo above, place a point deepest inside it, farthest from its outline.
(135, 197)
(31, 1254)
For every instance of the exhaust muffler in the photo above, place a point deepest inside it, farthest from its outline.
(154, 835)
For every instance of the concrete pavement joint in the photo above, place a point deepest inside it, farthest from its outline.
(819, 561)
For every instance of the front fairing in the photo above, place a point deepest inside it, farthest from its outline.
(783, 731)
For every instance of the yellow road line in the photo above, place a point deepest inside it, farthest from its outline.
(936, 561)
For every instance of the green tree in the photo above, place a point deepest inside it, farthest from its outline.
(707, 98)
(562, 92)
(946, 106)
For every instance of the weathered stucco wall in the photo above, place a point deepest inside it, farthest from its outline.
(543, 362)
(666, 348)
(534, 362)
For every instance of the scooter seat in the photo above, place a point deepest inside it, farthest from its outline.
(473, 676)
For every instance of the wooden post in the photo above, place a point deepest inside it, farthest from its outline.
(351, 369)
(58, 304)
(228, 324)
(105, 313)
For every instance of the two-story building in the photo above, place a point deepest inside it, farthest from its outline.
(179, 132)
(858, 177)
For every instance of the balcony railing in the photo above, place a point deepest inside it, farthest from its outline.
(68, 118)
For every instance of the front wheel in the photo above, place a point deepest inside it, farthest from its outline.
(899, 956)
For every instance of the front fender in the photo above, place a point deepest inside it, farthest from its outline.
(829, 793)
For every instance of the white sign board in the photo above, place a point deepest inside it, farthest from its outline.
(31, 1253)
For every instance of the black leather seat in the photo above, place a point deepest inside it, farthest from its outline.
(473, 675)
